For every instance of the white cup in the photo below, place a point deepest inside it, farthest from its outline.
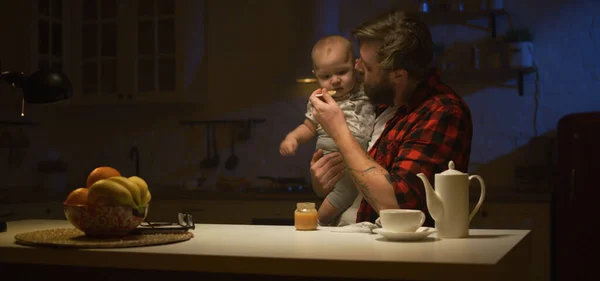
(401, 220)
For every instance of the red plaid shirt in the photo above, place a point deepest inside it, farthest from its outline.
(423, 136)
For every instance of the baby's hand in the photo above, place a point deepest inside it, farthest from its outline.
(288, 147)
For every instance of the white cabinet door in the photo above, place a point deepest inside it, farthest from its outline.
(133, 51)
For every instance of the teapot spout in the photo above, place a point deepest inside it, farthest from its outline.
(434, 202)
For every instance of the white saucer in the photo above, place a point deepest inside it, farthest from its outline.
(421, 233)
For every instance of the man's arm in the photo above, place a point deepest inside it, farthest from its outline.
(372, 180)
(444, 136)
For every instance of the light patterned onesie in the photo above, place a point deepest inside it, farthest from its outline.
(359, 112)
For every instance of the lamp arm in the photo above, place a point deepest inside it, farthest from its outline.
(15, 79)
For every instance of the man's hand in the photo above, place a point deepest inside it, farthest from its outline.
(328, 113)
(325, 171)
(288, 147)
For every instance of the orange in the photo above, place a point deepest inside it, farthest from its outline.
(78, 197)
(101, 173)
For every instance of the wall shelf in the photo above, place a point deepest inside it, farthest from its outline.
(434, 18)
(221, 121)
(19, 123)
(493, 76)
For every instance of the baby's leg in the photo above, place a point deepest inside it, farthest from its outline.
(338, 200)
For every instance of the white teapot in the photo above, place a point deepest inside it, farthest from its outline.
(448, 204)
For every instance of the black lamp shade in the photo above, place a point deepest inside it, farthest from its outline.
(46, 86)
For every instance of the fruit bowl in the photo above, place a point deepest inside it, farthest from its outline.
(104, 220)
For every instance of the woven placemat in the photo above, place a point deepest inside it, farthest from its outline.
(75, 238)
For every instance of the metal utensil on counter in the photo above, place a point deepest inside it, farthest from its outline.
(232, 161)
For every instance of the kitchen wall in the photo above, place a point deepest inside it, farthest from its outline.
(256, 48)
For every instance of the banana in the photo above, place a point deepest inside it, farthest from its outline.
(131, 186)
(111, 190)
(144, 192)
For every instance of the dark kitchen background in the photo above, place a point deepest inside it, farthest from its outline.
(152, 77)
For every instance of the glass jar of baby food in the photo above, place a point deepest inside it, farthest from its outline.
(305, 216)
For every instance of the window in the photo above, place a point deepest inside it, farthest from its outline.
(156, 61)
(99, 46)
(50, 34)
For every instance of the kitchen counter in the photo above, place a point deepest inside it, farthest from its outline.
(256, 250)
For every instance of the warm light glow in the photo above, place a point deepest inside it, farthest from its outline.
(306, 80)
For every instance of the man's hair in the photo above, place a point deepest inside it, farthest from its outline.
(406, 42)
(326, 44)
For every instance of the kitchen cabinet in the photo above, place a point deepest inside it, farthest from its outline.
(32, 210)
(34, 37)
(574, 200)
(532, 216)
(203, 211)
(134, 51)
(113, 51)
(223, 211)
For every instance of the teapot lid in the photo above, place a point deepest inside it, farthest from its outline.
(451, 171)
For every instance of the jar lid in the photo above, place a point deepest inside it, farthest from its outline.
(305, 205)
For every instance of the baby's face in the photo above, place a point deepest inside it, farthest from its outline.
(335, 72)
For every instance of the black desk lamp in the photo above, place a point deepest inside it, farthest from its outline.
(44, 86)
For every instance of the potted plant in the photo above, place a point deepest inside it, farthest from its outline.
(520, 48)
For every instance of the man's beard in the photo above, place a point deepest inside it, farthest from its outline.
(380, 94)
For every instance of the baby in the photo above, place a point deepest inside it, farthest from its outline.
(333, 66)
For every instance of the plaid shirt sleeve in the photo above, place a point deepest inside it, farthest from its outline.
(427, 148)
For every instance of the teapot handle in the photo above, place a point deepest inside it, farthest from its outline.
(481, 196)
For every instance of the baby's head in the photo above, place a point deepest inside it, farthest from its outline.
(333, 64)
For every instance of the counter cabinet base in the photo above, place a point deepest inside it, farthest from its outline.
(36, 272)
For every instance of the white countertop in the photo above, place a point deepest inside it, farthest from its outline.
(281, 250)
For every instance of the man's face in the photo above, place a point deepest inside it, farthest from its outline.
(377, 84)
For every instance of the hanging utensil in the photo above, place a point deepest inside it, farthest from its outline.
(215, 159)
(232, 161)
(245, 133)
(207, 161)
